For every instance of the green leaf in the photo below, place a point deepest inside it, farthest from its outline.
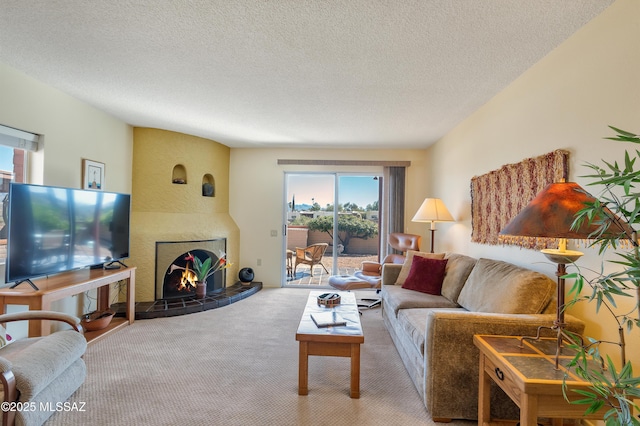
(577, 286)
(588, 394)
(624, 132)
(594, 407)
(204, 268)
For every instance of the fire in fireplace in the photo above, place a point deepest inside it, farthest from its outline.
(175, 277)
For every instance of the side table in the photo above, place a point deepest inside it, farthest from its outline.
(528, 376)
(67, 284)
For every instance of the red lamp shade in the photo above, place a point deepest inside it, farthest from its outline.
(551, 213)
(549, 216)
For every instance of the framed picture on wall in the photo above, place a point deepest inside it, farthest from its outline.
(92, 175)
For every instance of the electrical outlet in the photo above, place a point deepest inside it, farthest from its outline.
(259, 262)
(274, 232)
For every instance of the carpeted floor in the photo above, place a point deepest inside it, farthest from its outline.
(238, 365)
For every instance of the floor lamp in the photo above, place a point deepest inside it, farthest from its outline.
(432, 210)
(550, 216)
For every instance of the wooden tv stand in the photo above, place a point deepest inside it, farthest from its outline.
(67, 284)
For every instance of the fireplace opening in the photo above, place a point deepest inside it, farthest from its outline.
(175, 277)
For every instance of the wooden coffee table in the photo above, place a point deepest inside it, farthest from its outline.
(341, 341)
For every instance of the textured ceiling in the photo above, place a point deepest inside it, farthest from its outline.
(285, 73)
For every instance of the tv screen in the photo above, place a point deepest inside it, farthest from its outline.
(53, 229)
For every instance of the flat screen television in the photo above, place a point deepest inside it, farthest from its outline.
(52, 230)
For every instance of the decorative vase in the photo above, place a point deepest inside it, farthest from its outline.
(201, 289)
(246, 276)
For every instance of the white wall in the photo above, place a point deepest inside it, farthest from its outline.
(565, 101)
(257, 197)
(72, 130)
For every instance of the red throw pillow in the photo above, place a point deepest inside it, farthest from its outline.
(426, 275)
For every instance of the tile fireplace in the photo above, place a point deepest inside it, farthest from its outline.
(174, 273)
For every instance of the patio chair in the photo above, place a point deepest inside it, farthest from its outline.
(311, 255)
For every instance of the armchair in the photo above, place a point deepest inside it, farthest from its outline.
(311, 255)
(41, 370)
(372, 271)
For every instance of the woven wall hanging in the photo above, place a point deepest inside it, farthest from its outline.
(498, 196)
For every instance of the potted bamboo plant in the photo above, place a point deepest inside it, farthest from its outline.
(613, 383)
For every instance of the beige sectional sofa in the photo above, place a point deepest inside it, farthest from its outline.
(434, 333)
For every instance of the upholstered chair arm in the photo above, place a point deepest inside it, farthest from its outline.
(390, 272)
(5, 365)
(451, 356)
(9, 389)
(73, 321)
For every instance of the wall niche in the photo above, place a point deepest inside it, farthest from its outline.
(179, 175)
(208, 186)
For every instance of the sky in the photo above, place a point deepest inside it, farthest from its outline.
(319, 188)
(6, 158)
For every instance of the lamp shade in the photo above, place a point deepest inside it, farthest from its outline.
(551, 213)
(432, 210)
(550, 216)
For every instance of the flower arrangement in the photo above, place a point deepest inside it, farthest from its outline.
(203, 270)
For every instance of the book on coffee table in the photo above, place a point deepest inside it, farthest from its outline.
(327, 319)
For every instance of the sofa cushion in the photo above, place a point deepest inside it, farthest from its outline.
(406, 266)
(458, 269)
(504, 288)
(426, 275)
(396, 298)
(414, 324)
(390, 272)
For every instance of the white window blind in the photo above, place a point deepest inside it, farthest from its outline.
(18, 138)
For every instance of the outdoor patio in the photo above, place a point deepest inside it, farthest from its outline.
(348, 264)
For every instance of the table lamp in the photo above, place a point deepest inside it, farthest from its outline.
(432, 210)
(550, 216)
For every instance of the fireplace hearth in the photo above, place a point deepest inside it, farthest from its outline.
(189, 304)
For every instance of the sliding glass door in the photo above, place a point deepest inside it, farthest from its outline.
(332, 222)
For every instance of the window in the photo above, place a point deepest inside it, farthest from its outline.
(14, 145)
(339, 209)
(12, 169)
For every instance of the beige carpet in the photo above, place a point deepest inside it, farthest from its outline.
(238, 365)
